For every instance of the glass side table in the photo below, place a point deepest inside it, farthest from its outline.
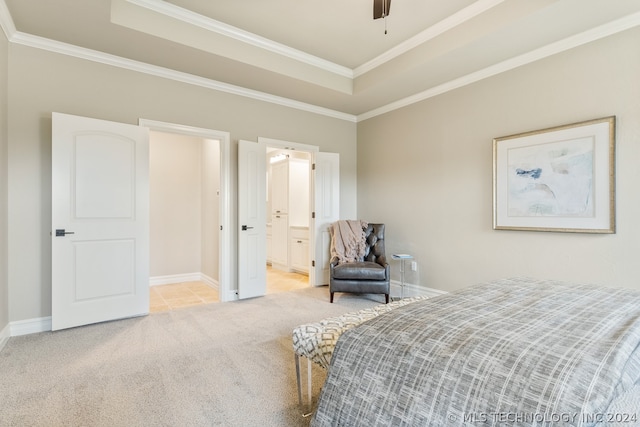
(402, 258)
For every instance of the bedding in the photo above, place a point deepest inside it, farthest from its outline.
(510, 352)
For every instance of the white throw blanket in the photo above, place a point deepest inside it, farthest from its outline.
(348, 240)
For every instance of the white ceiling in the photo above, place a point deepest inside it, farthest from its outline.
(328, 56)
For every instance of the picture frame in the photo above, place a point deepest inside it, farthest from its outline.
(557, 179)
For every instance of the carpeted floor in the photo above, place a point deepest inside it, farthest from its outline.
(228, 364)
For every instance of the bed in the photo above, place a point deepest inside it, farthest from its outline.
(510, 352)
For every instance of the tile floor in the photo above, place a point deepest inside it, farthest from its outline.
(282, 281)
(180, 295)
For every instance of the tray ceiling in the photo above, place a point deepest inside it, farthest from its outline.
(330, 55)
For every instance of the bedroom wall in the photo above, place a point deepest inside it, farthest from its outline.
(211, 209)
(42, 82)
(4, 285)
(433, 184)
(175, 199)
(184, 180)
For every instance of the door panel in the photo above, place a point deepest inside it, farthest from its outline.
(106, 167)
(100, 204)
(326, 199)
(94, 268)
(252, 233)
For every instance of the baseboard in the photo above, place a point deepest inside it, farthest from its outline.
(4, 336)
(181, 278)
(30, 326)
(210, 281)
(411, 290)
(43, 324)
(175, 278)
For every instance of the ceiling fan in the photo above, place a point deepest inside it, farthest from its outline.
(381, 10)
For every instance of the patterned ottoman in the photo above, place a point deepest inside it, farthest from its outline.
(316, 341)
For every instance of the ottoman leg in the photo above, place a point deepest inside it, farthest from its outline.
(299, 383)
(298, 379)
(309, 385)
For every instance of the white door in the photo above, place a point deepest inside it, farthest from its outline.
(100, 221)
(252, 222)
(325, 185)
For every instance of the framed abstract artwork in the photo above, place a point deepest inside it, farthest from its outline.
(558, 179)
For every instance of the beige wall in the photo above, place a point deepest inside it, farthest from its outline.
(211, 209)
(41, 82)
(4, 286)
(184, 181)
(175, 200)
(426, 170)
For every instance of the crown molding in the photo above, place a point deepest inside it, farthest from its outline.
(6, 21)
(585, 37)
(129, 64)
(588, 36)
(243, 36)
(432, 32)
(238, 34)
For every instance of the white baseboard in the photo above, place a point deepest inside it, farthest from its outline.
(4, 335)
(175, 278)
(30, 326)
(210, 281)
(43, 324)
(411, 290)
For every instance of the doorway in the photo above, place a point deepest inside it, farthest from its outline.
(209, 242)
(252, 236)
(184, 184)
(288, 214)
(290, 186)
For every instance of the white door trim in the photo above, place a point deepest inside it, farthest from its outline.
(226, 279)
(287, 145)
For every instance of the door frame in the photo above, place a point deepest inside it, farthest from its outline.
(311, 149)
(225, 270)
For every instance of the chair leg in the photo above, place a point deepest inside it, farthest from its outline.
(331, 297)
(386, 297)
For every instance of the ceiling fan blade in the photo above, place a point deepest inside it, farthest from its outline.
(381, 8)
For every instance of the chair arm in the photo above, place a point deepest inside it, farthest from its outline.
(382, 260)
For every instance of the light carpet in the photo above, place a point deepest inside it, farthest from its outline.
(227, 364)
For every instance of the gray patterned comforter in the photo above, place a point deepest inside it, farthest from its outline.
(511, 352)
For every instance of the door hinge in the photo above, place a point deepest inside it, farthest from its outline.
(313, 263)
(313, 214)
(220, 228)
(313, 166)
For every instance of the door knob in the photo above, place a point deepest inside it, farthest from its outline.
(245, 228)
(61, 233)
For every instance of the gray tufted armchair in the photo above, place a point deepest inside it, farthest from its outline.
(370, 276)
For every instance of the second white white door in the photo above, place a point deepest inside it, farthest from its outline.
(252, 226)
